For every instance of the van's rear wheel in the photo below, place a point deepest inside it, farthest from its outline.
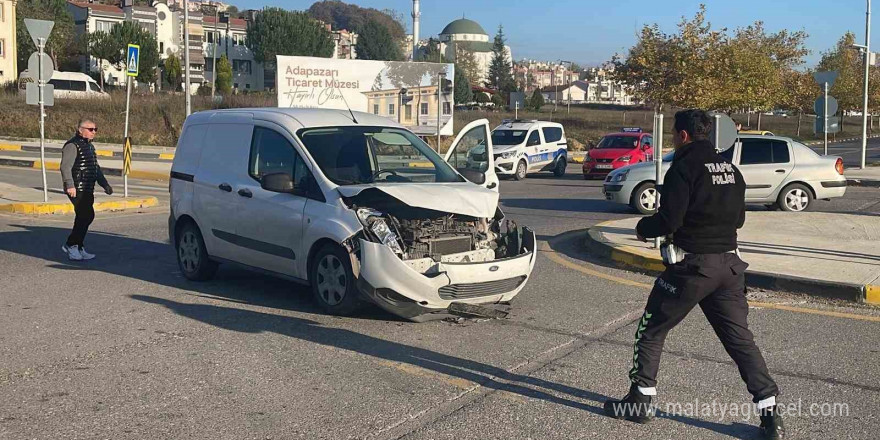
(192, 255)
(561, 165)
(521, 170)
(333, 283)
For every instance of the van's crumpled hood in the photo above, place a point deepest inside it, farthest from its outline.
(462, 198)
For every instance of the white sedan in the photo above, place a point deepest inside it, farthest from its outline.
(779, 172)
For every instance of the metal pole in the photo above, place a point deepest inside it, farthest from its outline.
(825, 116)
(658, 164)
(125, 135)
(867, 70)
(214, 55)
(439, 106)
(570, 86)
(715, 127)
(186, 58)
(40, 84)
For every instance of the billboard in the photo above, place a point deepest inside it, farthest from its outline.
(413, 94)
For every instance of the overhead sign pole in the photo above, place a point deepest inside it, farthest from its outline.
(658, 164)
(131, 71)
(825, 116)
(39, 31)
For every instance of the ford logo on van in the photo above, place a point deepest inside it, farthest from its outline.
(493, 269)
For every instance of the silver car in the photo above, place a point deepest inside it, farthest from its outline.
(779, 173)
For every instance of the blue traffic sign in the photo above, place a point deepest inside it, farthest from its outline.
(132, 60)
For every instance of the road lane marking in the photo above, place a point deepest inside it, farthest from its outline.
(555, 257)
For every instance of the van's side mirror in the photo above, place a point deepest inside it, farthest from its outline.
(277, 182)
(474, 176)
(646, 146)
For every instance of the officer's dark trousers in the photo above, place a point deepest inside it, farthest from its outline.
(83, 206)
(717, 283)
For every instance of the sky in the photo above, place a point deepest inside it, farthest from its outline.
(590, 32)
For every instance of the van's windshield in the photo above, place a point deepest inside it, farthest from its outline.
(359, 154)
(508, 137)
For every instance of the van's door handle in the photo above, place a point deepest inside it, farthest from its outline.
(492, 185)
(244, 192)
(780, 171)
(225, 187)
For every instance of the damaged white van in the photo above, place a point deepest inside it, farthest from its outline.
(350, 203)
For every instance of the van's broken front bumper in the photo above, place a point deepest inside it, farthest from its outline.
(424, 292)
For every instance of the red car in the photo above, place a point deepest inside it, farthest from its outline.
(618, 150)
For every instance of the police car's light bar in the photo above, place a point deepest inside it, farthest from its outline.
(518, 121)
(632, 130)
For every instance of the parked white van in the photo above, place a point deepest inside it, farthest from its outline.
(527, 146)
(73, 85)
(350, 203)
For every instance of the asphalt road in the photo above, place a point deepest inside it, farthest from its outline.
(851, 152)
(125, 347)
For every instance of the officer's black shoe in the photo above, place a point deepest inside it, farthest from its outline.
(635, 407)
(771, 424)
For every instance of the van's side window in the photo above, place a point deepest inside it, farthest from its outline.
(270, 153)
(552, 134)
(534, 139)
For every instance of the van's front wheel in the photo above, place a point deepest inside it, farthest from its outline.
(521, 170)
(333, 283)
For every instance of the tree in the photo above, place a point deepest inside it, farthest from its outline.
(376, 43)
(173, 71)
(703, 67)
(103, 47)
(799, 92)
(129, 32)
(62, 46)
(354, 18)
(481, 98)
(536, 101)
(431, 52)
(500, 76)
(498, 101)
(279, 32)
(467, 62)
(849, 86)
(463, 93)
(224, 76)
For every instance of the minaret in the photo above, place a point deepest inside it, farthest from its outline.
(416, 16)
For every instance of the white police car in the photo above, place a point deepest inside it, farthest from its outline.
(526, 146)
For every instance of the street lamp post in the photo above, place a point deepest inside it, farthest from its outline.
(186, 58)
(867, 71)
(214, 45)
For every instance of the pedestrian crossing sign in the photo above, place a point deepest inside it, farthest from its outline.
(132, 60)
(126, 157)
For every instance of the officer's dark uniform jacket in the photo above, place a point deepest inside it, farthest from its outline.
(79, 165)
(702, 202)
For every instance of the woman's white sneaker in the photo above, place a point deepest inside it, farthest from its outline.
(85, 255)
(72, 252)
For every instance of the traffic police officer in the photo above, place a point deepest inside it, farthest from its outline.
(703, 205)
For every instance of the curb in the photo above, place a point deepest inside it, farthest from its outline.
(54, 166)
(628, 256)
(101, 153)
(67, 208)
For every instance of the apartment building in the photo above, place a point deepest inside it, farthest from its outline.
(225, 35)
(8, 54)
